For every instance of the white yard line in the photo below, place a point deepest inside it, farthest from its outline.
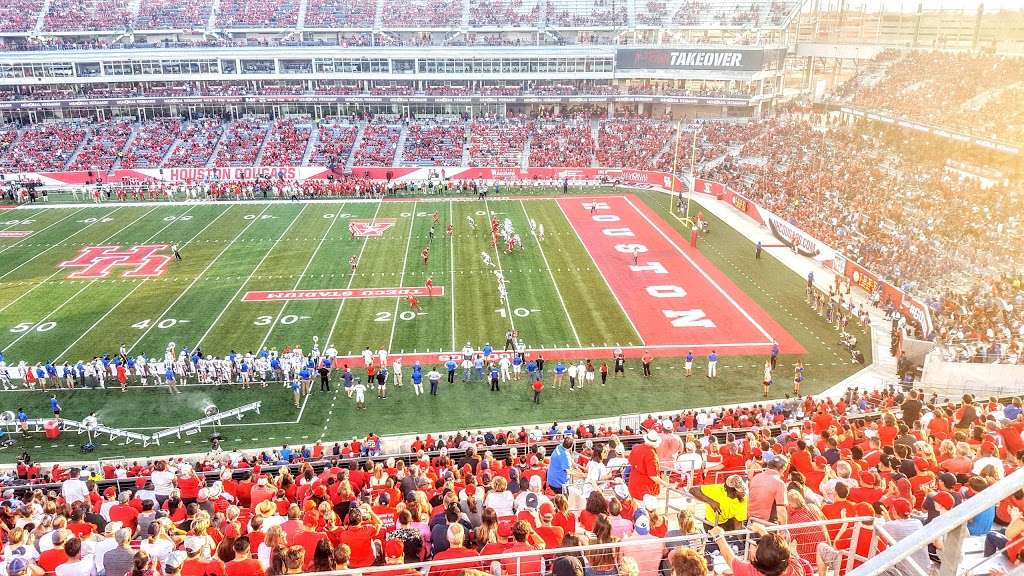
(401, 278)
(75, 295)
(601, 272)
(35, 232)
(359, 259)
(144, 280)
(551, 275)
(41, 252)
(248, 278)
(497, 255)
(301, 276)
(451, 263)
(725, 294)
(199, 276)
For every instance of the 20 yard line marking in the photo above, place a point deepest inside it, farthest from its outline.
(700, 270)
(144, 280)
(246, 281)
(352, 278)
(200, 275)
(553, 281)
(75, 295)
(601, 272)
(451, 263)
(401, 280)
(312, 257)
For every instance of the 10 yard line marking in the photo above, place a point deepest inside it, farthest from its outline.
(301, 276)
(497, 254)
(352, 278)
(6, 248)
(601, 272)
(144, 280)
(451, 263)
(84, 288)
(246, 281)
(200, 275)
(40, 253)
(553, 281)
(401, 280)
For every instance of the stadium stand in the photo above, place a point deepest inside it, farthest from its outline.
(340, 13)
(498, 143)
(171, 14)
(20, 15)
(421, 13)
(65, 15)
(379, 145)
(334, 142)
(43, 147)
(633, 142)
(197, 144)
(102, 146)
(257, 14)
(569, 144)
(151, 144)
(287, 142)
(433, 144)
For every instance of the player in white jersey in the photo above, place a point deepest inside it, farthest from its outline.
(540, 234)
(502, 293)
(504, 364)
(487, 259)
(472, 223)
(367, 357)
(517, 239)
(396, 370)
(533, 226)
(382, 355)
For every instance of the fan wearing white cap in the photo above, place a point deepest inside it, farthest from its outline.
(645, 469)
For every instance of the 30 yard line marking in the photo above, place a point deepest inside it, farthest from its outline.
(497, 255)
(451, 263)
(246, 281)
(36, 233)
(200, 275)
(401, 280)
(41, 252)
(144, 280)
(601, 272)
(312, 257)
(552, 276)
(75, 295)
(725, 294)
(359, 258)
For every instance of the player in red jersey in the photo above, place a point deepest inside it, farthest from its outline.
(430, 285)
(425, 253)
(414, 304)
(352, 262)
(351, 231)
(437, 217)
(451, 230)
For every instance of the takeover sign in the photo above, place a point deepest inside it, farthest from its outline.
(342, 294)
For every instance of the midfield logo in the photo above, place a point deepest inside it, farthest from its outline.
(366, 228)
(99, 261)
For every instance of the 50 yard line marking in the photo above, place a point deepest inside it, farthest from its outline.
(352, 278)
(75, 295)
(401, 279)
(312, 257)
(198, 276)
(497, 255)
(144, 280)
(551, 275)
(249, 278)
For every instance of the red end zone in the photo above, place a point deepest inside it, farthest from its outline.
(673, 295)
(341, 294)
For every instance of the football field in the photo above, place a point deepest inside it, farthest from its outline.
(79, 282)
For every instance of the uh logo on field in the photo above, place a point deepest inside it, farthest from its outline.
(100, 261)
(367, 228)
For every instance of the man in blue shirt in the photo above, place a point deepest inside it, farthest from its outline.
(451, 366)
(775, 354)
(495, 378)
(22, 420)
(559, 374)
(55, 405)
(560, 469)
(487, 349)
(712, 364)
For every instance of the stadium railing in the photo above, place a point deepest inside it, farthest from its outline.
(951, 527)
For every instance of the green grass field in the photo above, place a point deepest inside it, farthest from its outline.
(557, 299)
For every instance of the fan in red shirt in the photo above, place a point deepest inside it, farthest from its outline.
(307, 536)
(644, 477)
(243, 564)
(394, 555)
(358, 536)
(124, 512)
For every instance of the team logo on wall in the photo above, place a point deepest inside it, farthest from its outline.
(367, 228)
(100, 261)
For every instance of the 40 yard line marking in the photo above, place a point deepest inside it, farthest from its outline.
(401, 279)
(75, 295)
(249, 278)
(198, 276)
(140, 284)
(6, 248)
(552, 276)
(451, 263)
(359, 258)
(301, 276)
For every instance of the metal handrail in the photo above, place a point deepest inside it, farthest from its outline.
(943, 525)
